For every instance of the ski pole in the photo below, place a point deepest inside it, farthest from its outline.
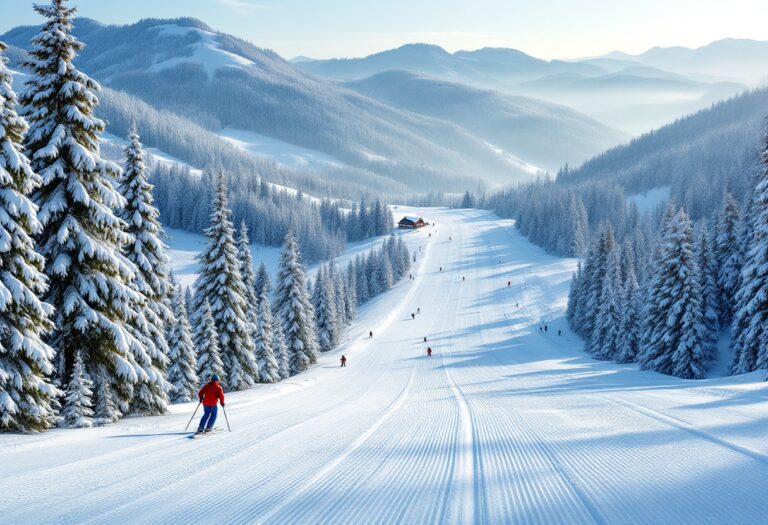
(225, 417)
(193, 415)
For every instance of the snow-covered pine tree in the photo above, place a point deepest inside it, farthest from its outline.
(728, 255)
(705, 258)
(263, 282)
(384, 270)
(247, 270)
(147, 252)
(594, 275)
(339, 295)
(189, 301)
(606, 335)
(749, 339)
(77, 411)
(207, 345)
(81, 239)
(269, 369)
(182, 372)
(405, 257)
(106, 410)
(325, 311)
(677, 343)
(361, 277)
(27, 397)
(294, 309)
(221, 283)
(629, 333)
(571, 311)
(280, 349)
(350, 299)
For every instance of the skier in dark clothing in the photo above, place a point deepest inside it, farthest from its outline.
(210, 396)
(559, 332)
(370, 334)
(418, 310)
(425, 338)
(429, 351)
(545, 328)
(413, 316)
(343, 360)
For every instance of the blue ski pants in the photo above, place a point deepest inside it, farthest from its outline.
(209, 417)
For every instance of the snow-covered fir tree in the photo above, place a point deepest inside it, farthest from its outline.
(629, 331)
(294, 308)
(262, 283)
(749, 339)
(148, 254)
(247, 270)
(81, 238)
(280, 348)
(221, 284)
(182, 372)
(206, 341)
(728, 258)
(606, 334)
(350, 299)
(106, 410)
(675, 339)
(77, 411)
(269, 371)
(326, 316)
(27, 397)
(705, 258)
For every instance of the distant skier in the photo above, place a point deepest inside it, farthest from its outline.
(509, 283)
(429, 351)
(370, 334)
(210, 395)
(463, 278)
(545, 328)
(441, 268)
(343, 360)
(418, 310)
(413, 316)
(559, 332)
(425, 338)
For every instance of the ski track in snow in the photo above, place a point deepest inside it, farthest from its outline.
(504, 424)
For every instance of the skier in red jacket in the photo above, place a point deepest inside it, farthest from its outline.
(429, 352)
(343, 360)
(210, 395)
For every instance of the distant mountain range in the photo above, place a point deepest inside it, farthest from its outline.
(221, 82)
(634, 93)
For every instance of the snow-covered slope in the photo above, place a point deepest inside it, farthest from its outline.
(504, 424)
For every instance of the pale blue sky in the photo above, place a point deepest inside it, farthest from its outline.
(544, 28)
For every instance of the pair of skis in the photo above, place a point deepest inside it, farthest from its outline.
(213, 431)
(198, 435)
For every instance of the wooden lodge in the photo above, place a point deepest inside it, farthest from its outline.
(411, 223)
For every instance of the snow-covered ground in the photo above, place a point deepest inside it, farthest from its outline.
(281, 152)
(504, 424)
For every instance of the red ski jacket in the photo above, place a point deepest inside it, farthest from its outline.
(211, 394)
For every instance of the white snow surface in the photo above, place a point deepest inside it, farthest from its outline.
(280, 152)
(504, 424)
(205, 52)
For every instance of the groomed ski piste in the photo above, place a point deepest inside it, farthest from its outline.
(503, 424)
